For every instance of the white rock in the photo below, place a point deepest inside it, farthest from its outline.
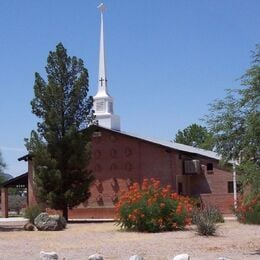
(182, 257)
(223, 258)
(95, 257)
(48, 255)
(136, 257)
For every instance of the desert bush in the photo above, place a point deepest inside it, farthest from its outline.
(248, 210)
(32, 212)
(205, 219)
(152, 208)
(205, 225)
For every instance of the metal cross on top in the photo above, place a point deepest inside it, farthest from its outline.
(101, 80)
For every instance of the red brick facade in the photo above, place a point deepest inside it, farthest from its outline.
(119, 159)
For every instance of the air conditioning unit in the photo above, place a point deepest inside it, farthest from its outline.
(192, 167)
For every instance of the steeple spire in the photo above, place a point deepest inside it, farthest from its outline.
(103, 102)
(102, 80)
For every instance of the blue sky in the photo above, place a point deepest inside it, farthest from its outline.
(166, 59)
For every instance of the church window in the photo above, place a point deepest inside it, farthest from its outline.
(110, 107)
(128, 166)
(113, 167)
(128, 151)
(113, 153)
(100, 106)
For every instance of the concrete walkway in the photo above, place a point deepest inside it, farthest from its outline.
(13, 220)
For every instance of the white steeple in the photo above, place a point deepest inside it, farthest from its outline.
(103, 102)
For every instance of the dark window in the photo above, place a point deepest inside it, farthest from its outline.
(209, 167)
(230, 187)
(180, 188)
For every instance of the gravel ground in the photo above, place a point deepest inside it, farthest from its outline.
(79, 240)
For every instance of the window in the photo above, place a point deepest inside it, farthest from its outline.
(230, 187)
(180, 188)
(209, 168)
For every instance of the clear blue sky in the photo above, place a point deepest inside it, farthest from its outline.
(166, 59)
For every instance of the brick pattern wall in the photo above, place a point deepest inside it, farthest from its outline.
(118, 160)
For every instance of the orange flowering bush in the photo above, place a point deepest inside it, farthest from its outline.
(248, 210)
(152, 208)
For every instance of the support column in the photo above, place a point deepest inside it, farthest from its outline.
(4, 202)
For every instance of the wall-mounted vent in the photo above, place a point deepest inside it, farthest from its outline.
(192, 167)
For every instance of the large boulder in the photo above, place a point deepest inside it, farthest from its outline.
(46, 222)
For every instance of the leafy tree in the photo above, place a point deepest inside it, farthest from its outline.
(2, 168)
(59, 146)
(235, 123)
(195, 135)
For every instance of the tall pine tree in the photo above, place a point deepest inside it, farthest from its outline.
(59, 147)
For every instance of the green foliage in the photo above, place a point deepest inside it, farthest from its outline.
(235, 120)
(248, 210)
(150, 208)
(195, 135)
(32, 212)
(205, 219)
(235, 124)
(2, 168)
(250, 176)
(60, 148)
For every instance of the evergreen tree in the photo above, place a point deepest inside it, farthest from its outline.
(60, 148)
(195, 135)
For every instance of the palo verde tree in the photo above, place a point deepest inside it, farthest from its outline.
(59, 147)
(195, 135)
(235, 123)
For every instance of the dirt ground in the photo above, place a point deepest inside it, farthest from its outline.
(79, 240)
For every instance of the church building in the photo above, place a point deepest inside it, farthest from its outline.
(120, 158)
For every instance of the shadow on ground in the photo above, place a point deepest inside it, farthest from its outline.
(10, 228)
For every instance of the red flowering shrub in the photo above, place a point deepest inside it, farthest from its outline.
(248, 210)
(152, 208)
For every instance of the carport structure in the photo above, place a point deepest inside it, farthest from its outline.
(20, 181)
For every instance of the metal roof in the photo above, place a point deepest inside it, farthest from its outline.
(173, 145)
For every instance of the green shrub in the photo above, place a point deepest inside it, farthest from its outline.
(248, 210)
(32, 212)
(151, 208)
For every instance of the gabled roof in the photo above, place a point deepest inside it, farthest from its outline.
(172, 145)
(19, 180)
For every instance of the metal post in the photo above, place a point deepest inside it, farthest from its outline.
(235, 184)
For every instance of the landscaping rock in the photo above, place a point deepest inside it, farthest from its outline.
(223, 258)
(95, 257)
(182, 257)
(48, 255)
(136, 257)
(46, 222)
(29, 227)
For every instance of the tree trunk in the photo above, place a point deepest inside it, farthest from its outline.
(65, 213)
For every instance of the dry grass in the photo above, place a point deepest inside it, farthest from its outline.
(78, 241)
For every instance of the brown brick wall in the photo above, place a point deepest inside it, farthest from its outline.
(118, 159)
